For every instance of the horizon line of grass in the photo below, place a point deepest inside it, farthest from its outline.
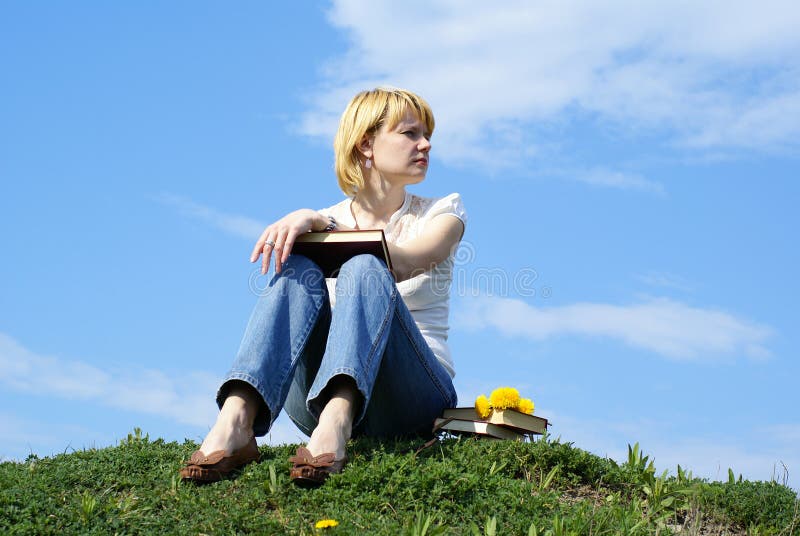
(459, 486)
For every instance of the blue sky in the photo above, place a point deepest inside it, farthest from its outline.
(631, 180)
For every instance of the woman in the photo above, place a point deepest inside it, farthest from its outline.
(366, 353)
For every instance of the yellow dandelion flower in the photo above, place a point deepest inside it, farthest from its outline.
(482, 407)
(525, 405)
(504, 397)
(326, 524)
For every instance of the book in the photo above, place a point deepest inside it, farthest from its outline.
(330, 250)
(477, 427)
(522, 422)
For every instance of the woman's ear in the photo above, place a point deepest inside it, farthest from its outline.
(365, 145)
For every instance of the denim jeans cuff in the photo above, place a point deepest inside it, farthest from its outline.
(264, 417)
(314, 407)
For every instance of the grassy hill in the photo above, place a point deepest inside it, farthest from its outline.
(454, 487)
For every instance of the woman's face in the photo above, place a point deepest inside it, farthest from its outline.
(400, 153)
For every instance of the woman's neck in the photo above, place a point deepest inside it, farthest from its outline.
(371, 206)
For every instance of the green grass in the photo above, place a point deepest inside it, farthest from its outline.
(455, 487)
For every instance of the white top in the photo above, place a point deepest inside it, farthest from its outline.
(427, 295)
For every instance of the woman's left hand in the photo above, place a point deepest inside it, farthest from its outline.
(279, 237)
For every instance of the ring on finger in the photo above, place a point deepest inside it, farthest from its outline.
(269, 243)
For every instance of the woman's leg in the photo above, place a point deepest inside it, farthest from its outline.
(335, 425)
(233, 428)
(289, 325)
(378, 375)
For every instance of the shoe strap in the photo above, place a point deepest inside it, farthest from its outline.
(304, 457)
(198, 458)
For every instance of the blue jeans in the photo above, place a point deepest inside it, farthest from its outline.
(294, 345)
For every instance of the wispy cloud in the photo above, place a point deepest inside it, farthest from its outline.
(230, 223)
(189, 400)
(146, 391)
(504, 80)
(665, 280)
(608, 178)
(661, 325)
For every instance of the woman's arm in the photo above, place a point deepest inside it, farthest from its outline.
(439, 239)
(434, 245)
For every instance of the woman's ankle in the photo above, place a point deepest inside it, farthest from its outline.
(226, 436)
(331, 434)
(240, 407)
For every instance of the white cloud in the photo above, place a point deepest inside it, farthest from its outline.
(230, 223)
(503, 80)
(664, 326)
(188, 400)
(146, 391)
(616, 179)
(662, 279)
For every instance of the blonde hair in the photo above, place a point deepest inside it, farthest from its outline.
(365, 115)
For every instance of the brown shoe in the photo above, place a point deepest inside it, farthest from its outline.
(217, 466)
(310, 471)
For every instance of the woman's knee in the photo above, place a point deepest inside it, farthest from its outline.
(299, 269)
(302, 266)
(365, 266)
(366, 272)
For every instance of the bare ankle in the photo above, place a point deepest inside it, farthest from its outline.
(240, 407)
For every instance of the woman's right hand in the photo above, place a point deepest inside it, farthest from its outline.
(279, 237)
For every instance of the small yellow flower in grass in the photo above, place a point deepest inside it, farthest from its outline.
(482, 407)
(504, 397)
(326, 524)
(525, 405)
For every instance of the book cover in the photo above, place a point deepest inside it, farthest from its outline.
(527, 424)
(477, 427)
(330, 250)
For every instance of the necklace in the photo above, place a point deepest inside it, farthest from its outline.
(353, 213)
(381, 225)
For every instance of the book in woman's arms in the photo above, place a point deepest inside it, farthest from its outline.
(330, 250)
(477, 427)
(527, 424)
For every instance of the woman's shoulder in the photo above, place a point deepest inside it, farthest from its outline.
(418, 212)
(429, 207)
(334, 210)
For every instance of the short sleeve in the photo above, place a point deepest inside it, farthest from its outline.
(449, 204)
(327, 211)
(339, 211)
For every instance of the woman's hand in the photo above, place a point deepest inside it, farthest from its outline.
(279, 237)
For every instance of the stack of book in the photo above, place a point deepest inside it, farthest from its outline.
(501, 424)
